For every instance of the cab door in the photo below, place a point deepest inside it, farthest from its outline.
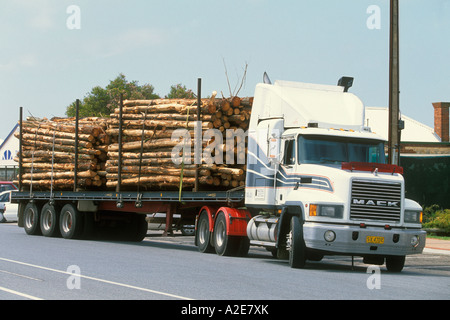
(286, 172)
(263, 162)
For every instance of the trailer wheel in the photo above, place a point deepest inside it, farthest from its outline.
(296, 244)
(395, 263)
(70, 222)
(203, 235)
(49, 221)
(31, 219)
(225, 245)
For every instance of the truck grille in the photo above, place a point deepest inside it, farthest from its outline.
(376, 201)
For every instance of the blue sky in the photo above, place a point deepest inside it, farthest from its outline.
(44, 65)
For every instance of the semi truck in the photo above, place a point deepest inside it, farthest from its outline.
(317, 183)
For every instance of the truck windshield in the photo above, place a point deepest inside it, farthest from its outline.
(335, 150)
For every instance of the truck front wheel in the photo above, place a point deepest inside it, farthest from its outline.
(296, 244)
(395, 263)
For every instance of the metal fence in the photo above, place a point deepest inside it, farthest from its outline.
(8, 173)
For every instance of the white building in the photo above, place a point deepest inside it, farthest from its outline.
(377, 118)
(8, 150)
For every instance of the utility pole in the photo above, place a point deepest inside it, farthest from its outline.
(394, 87)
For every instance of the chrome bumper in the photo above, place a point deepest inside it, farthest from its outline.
(354, 240)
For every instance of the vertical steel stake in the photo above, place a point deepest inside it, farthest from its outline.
(119, 169)
(77, 119)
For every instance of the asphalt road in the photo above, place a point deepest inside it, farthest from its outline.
(171, 268)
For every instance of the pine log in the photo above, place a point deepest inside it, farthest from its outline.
(61, 183)
(46, 154)
(58, 134)
(161, 116)
(235, 171)
(160, 123)
(235, 102)
(60, 175)
(163, 153)
(152, 144)
(48, 146)
(59, 166)
(83, 129)
(136, 162)
(161, 182)
(56, 141)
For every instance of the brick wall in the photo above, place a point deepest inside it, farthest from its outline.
(441, 120)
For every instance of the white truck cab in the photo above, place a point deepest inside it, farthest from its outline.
(318, 183)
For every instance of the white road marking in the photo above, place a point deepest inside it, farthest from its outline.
(99, 280)
(17, 293)
(20, 275)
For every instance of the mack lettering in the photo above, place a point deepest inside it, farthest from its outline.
(378, 203)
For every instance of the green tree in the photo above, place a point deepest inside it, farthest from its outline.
(102, 101)
(181, 92)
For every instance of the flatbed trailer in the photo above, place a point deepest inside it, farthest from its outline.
(65, 208)
(140, 200)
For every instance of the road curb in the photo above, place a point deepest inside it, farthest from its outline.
(438, 246)
(436, 251)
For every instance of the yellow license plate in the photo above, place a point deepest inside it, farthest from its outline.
(373, 239)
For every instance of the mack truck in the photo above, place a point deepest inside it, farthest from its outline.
(317, 183)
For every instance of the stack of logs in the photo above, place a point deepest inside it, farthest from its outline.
(48, 153)
(148, 147)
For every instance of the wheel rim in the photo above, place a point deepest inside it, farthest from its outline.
(47, 219)
(29, 219)
(66, 221)
(220, 233)
(203, 229)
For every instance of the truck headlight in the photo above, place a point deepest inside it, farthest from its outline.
(413, 216)
(326, 210)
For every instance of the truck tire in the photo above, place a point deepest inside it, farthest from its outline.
(31, 219)
(203, 235)
(296, 244)
(395, 263)
(70, 222)
(139, 228)
(49, 221)
(225, 245)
